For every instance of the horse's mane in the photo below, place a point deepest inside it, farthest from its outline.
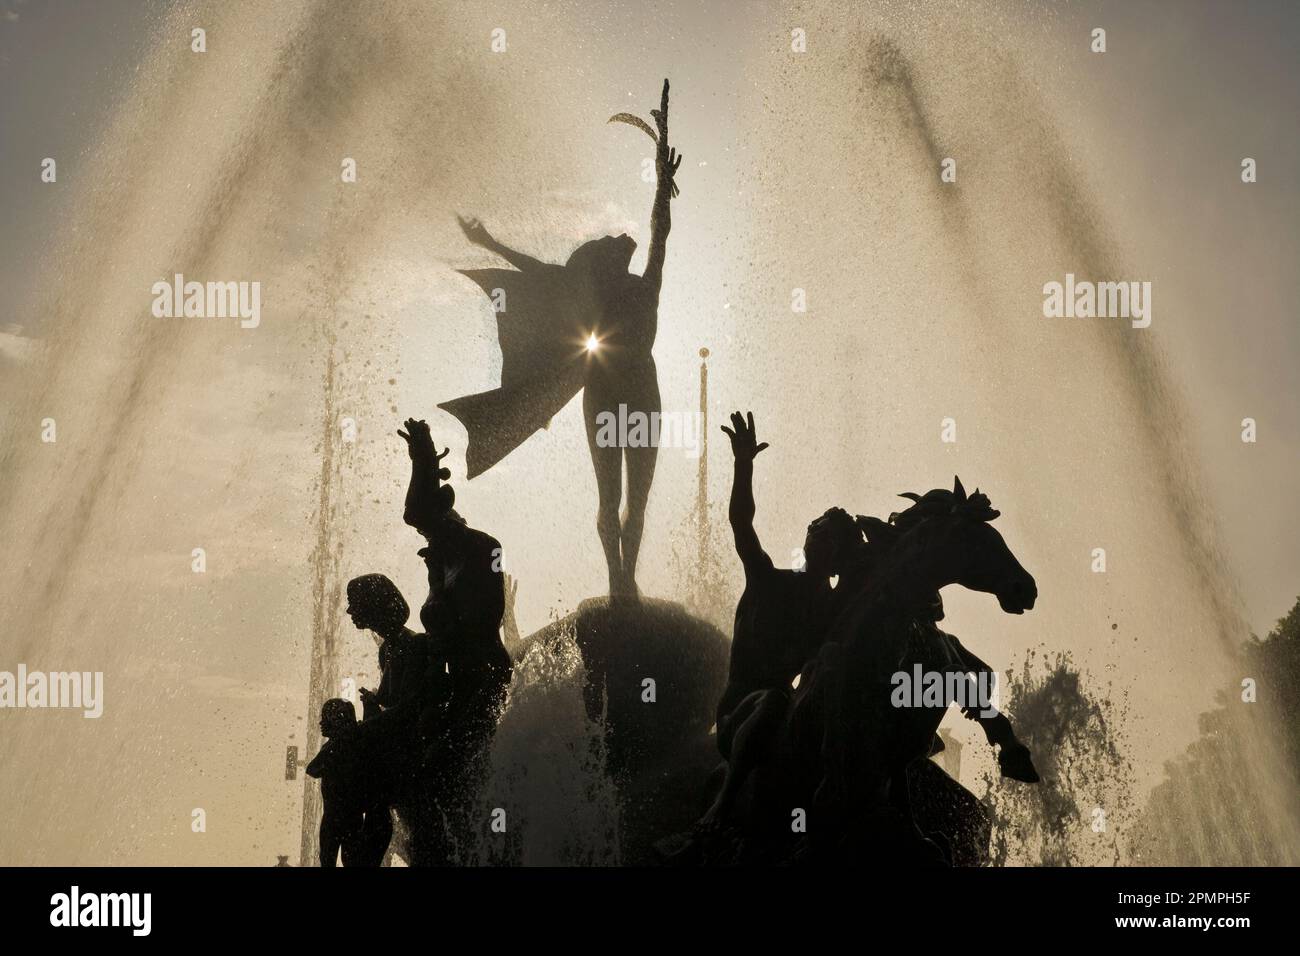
(882, 535)
(941, 501)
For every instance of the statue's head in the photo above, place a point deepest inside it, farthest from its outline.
(945, 538)
(831, 540)
(337, 716)
(375, 604)
(605, 258)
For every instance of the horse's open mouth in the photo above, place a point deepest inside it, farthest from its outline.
(1016, 602)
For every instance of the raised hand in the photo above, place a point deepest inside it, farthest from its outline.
(417, 435)
(474, 230)
(667, 168)
(744, 439)
(419, 443)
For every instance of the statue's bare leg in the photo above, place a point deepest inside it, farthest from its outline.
(608, 463)
(640, 475)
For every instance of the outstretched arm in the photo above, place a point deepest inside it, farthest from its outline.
(744, 445)
(423, 503)
(477, 233)
(666, 162)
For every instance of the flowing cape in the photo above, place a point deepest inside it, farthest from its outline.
(546, 314)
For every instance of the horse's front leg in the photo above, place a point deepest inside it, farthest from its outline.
(1014, 758)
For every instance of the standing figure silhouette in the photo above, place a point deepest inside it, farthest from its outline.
(588, 324)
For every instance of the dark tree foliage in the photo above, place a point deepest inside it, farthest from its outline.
(1211, 807)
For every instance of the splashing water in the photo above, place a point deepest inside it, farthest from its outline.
(547, 768)
(1080, 813)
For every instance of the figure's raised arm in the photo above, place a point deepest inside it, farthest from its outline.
(745, 447)
(478, 234)
(427, 499)
(666, 162)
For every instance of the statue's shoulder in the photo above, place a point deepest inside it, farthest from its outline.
(484, 542)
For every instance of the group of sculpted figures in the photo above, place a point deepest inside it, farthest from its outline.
(808, 724)
(428, 723)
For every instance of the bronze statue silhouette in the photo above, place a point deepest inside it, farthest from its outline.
(377, 761)
(466, 601)
(836, 745)
(944, 538)
(355, 823)
(866, 742)
(589, 324)
(780, 620)
(462, 617)
(410, 667)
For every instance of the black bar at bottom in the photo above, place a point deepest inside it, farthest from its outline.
(940, 907)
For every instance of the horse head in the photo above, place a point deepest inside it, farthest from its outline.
(945, 538)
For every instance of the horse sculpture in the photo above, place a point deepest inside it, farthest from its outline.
(843, 750)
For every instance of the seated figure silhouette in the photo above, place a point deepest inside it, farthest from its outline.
(462, 617)
(354, 821)
(589, 325)
(781, 618)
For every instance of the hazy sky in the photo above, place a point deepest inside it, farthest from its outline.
(1183, 81)
(802, 170)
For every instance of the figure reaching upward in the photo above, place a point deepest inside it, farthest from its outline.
(588, 324)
